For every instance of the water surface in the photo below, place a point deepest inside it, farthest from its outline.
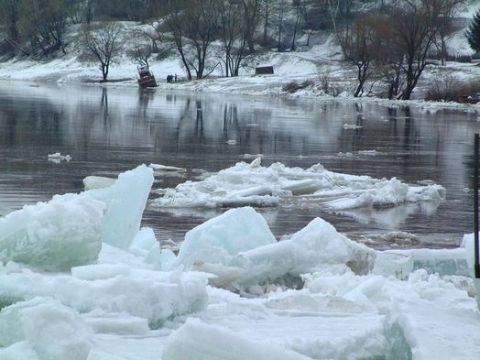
(107, 131)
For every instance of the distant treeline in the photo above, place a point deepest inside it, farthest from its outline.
(39, 25)
(385, 41)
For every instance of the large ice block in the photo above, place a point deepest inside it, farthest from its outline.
(53, 331)
(469, 245)
(56, 235)
(200, 341)
(437, 261)
(152, 295)
(397, 265)
(219, 239)
(126, 200)
(316, 245)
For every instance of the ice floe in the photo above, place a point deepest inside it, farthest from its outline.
(369, 152)
(352, 127)
(252, 156)
(253, 184)
(168, 171)
(97, 182)
(166, 168)
(58, 158)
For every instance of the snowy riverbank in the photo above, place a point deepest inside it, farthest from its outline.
(318, 70)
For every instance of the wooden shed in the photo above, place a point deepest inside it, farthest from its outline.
(264, 70)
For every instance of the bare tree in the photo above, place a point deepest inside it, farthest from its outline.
(201, 22)
(414, 28)
(266, 14)
(102, 44)
(386, 60)
(300, 8)
(280, 22)
(407, 32)
(232, 33)
(192, 29)
(176, 26)
(446, 26)
(251, 14)
(359, 43)
(155, 35)
(140, 52)
(9, 15)
(43, 24)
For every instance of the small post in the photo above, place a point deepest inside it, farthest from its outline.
(475, 204)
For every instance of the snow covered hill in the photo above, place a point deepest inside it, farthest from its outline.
(318, 67)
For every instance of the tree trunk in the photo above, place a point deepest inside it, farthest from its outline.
(104, 72)
(292, 48)
(185, 64)
(265, 24)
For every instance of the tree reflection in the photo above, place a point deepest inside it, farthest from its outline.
(104, 104)
(199, 135)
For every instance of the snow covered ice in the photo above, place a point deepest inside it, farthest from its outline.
(233, 291)
(253, 184)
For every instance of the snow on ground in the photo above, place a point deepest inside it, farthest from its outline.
(314, 295)
(320, 64)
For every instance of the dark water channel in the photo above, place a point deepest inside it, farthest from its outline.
(107, 131)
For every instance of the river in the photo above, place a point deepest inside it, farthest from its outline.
(110, 130)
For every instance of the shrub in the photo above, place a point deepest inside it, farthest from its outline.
(451, 89)
(294, 86)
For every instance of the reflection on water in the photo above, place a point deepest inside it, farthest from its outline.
(107, 131)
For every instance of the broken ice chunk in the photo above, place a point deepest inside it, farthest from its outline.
(312, 247)
(126, 200)
(224, 236)
(53, 331)
(393, 264)
(58, 158)
(97, 182)
(240, 250)
(200, 341)
(54, 236)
